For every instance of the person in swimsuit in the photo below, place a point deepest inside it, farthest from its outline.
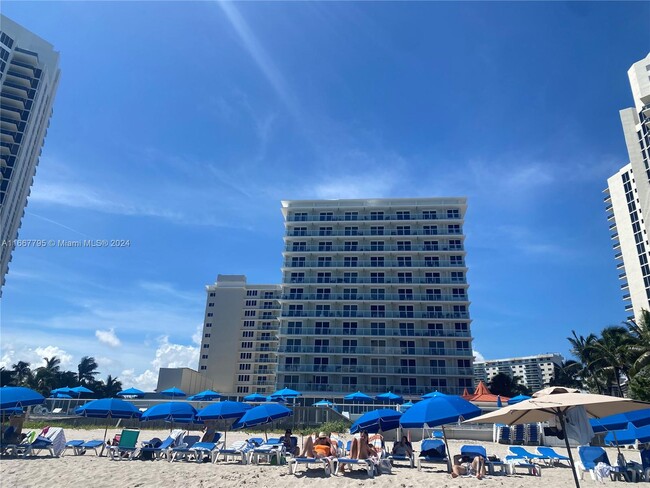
(361, 449)
(464, 465)
(318, 448)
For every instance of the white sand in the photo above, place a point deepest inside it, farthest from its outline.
(97, 472)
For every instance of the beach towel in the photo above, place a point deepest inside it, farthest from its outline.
(602, 471)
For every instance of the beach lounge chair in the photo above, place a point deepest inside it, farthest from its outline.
(92, 445)
(33, 443)
(517, 434)
(239, 450)
(155, 450)
(532, 435)
(503, 435)
(327, 463)
(183, 450)
(367, 464)
(402, 457)
(432, 451)
(594, 460)
(126, 448)
(203, 449)
(645, 464)
(523, 453)
(519, 457)
(270, 450)
(74, 445)
(473, 450)
(553, 456)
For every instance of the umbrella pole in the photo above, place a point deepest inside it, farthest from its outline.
(616, 441)
(568, 448)
(444, 436)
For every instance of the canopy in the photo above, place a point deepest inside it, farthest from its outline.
(81, 389)
(405, 406)
(206, 395)
(60, 395)
(131, 392)
(64, 390)
(482, 394)
(323, 403)
(173, 392)
(518, 398)
(380, 420)
(628, 436)
(223, 410)
(358, 397)
(432, 395)
(262, 414)
(637, 418)
(170, 412)
(390, 397)
(255, 397)
(439, 410)
(286, 393)
(108, 408)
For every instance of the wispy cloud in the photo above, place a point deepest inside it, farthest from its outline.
(108, 337)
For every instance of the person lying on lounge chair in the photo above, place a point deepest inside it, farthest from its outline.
(288, 443)
(321, 447)
(464, 465)
(403, 448)
(361, 449)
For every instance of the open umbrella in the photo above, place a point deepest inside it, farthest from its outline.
(223, 411)
(78, 390)
(255, 397)
(638, 418)
(439, 410)
(432, 394)
(358, 396)
(173, 392)
(405, 406)
(499, 402)
(628, 436)
(389, 396)
(19, 396)
(323, 403)
(170, 412)
(108, 408)
(262, 414)
(60, 395)
(554, 402)
(380, 420)
(65, 390)
(518, 398)
(285, 393)
(206, 395)
(131, 392)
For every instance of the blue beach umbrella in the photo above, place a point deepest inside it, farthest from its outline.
(108, 408)
(285, 393)
(637, 418)
(171, 412)
(405, 406)
(262, 414)
(518, 398)
(380, 420)
(432, 394)
(206, 395)
(255, 397)
(389, 396)
(78, 390)
(64, 390)
(358, 396)
(60, 395)
(628, 436)
(173, 392)
(323, 403)
(131, 392)
(499, 402)
(223, 410)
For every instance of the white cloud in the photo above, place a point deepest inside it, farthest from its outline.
(108, 337)
(478, 356)
(33, 356)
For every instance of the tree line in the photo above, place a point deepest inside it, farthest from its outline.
(49, 377)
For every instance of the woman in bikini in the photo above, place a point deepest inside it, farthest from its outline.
(318, 448)
(361, 449)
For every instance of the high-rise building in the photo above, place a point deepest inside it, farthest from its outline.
(535, 372)
(239, 344)
(374, 297)
(628, 196)
(29, 75)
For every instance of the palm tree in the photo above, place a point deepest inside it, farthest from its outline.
(6, 377)
(111, 387)
(568, 374)
(612, 352)
(87, 370)
(46, 376)
(640, 350)
(582, 349)
(508, 386)
(21, 372)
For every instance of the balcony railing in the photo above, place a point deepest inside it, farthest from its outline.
(373, 369)
(369, 280)
(372, 389)
(366, 331)
(368, 232)
(374, 296)
(376, 314)
(371, 248)
(441, 263)
(440, 215)
(411, 351)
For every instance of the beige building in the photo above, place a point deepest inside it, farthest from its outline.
(29, 76)
(628, 196)
(239, 345)
(535, 371)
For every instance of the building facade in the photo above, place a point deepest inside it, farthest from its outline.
(374, 297)
(628, 196)
(239, 344)
(534, 371)
(29, 76)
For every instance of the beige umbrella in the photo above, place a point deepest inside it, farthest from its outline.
(554, 402)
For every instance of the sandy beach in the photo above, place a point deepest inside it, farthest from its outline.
(89, 470)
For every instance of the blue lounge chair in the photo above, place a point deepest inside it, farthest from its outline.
(183, 450)
(553, 456)
(503, 434)
(271, 449)
(88, 445)
(74, 445)
(473, 450)
(645, 464)
(201, 450)
(325, 462)
(590, 456)
(523, 453)
(532, 435)
(517, 434)
(239, 450)
(432, 451)
(155, 450)
(367, 464)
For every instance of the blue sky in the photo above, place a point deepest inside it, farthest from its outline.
(181, 126)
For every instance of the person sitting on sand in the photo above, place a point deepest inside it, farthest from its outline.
(403, 448)
(287, 441)
(318, 448)
(464, 465)
(361, 449)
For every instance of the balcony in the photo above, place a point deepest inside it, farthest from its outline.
(372, 248)
(365, 280)
(374, 296)
(439, 215)
(383, 351)
(369, 388)
(370, 369)
(440, 263)
(376, 314)
(371, 233)
(367, 331)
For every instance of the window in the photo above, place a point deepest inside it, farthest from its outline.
(377, 310)
(326, 216)
(430, 245)
(299, 246)
(439, 383)
(351, 231)
(405, 277)
(351, 215)
(376, 215)
(455, 245)
(291, 380)
(403, 230)
(376, 245)
(456, 260)
(245, 367)
(433, 293)
(350, 328)
(249, 323)
(244, 377)
(377, 293)
(350, 310)
(242, 389)
(377, 277)
(349, 381)
(206, 335)
(324, 261)
(349, 346)
(247, 334)
(251, 303)
(436, 348)
(204, 356)
(245, 355)
(462, 345)
(206, 346)
(324, 231)
(323, 293)
(404, 261)
(350, 293)
(407, 328)
(300, 231)
(297, 277)
(403, 215)
(320, 364)
(203, 368)
(403, 245)
(325, 246)
(249, 313)
(246, 345)
(351, 246)
(407, 347)
(350, 277)
(322, 328)
(300, 216)
(350, 262)
(407, 366)
(429, 214)
(430, 230)
(376, 231)
(210, 314)
(457, 277)
(377, 328)
(453, 229)
(435, 328)
(208, 324)
(324, 278)
(432, 261)
(212, 294)
(405, 293)
(298, 262)
(378, 382)
(406, 311)
(294, 327)
(432, 277)
(453, 214)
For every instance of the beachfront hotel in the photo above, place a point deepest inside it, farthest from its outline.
(535, 372)
(239, 344)
(628, 196)
(374, 297)
(29, 75)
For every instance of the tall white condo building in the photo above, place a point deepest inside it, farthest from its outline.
(29, 75)
(628, 196)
